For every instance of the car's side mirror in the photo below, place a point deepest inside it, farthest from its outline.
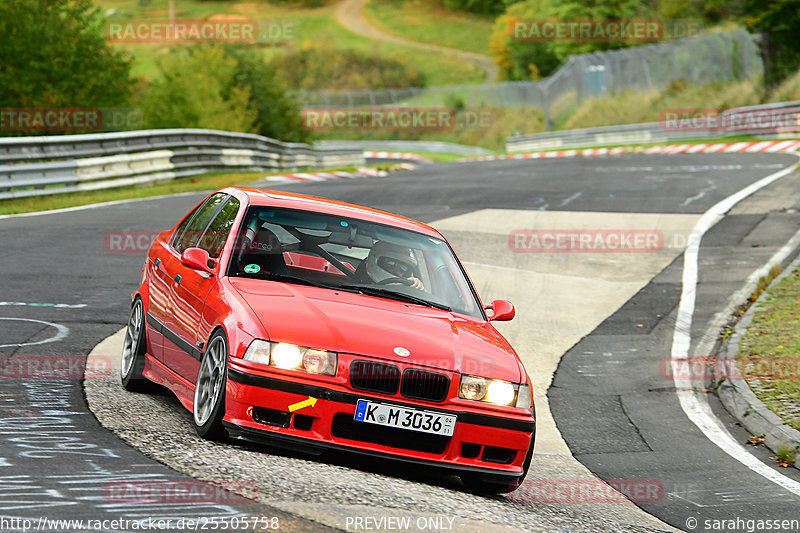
(197, 259)
(501, 310)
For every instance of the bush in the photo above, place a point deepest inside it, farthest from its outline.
(314, 68)
(523, 60)
(222, 87)
(198, 89)
(788, 90)
(299, 3)
(778, 21)
(277, 110)
(487, 7)
(53, 55)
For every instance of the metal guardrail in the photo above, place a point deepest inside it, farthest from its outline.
(436, 147)
(776, 120)
(33, 166)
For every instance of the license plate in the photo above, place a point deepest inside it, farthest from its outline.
(405, 418)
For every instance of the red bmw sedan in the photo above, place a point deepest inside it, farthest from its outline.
(315, 324)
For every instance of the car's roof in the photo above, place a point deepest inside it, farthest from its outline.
(333, 207)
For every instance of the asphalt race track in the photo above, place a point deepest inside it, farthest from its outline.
(66, 287)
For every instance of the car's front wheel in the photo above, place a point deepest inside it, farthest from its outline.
(134, 348)
(209, 390)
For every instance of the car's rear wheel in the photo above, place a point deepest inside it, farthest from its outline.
(482, 485)
(209, 390)
(134, 348)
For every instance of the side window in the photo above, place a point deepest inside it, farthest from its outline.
(185, 222)
(213, 240)
(191, 232)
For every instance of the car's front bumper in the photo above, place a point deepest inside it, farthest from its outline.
(492, 446)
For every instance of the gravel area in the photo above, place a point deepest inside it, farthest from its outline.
(337, 488)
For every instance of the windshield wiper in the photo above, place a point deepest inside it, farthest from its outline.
(388, 293)
(293, 279)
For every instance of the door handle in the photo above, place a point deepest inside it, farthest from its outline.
(178, 279)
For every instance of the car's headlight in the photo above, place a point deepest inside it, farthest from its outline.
(501, 393)
(258, 352)
(524, 398)
(487, 390)
(292, 357)
(472, 388)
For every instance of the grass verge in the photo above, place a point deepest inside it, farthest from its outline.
(426, 21)
(438, 157)
(313, 25)
(204, 182)
(769, 354)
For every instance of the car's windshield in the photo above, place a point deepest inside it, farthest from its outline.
(312, 248)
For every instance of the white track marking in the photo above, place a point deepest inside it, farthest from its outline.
(700, 412)
(44, 305)
(711, 187)
(61, 332)
(95, 206)
(565, 201)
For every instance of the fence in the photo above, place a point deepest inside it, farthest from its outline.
(776, 120)
(722, 56)
(32, 166)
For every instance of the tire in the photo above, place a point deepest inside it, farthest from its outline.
(134, 348)
(482, 485)
(208, 407)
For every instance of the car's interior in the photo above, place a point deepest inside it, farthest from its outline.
(299, 246)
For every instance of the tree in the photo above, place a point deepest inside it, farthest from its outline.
(277, 110)
(53, 55)
(488, 7)
(521, 59)
(779, 22)
(198, 89)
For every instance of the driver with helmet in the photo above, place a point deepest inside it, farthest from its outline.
(387, 261)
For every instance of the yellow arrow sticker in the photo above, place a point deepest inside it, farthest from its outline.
(311, 402)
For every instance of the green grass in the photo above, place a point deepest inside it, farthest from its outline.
(426, 21)
(486, 127)
(644, 146)
(202, 182)
(438, 157)
(438, 69)
(631, 108)
(313, 26)
(769, 355)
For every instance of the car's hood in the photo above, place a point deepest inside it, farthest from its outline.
(353, 323)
